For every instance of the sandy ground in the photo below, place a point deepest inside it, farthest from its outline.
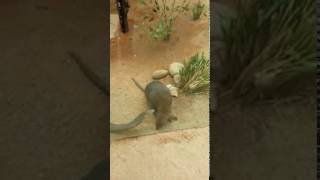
(180, 155)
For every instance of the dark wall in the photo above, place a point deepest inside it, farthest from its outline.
(53, 121)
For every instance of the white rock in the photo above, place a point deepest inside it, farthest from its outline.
(175, 67)
(159, 74)
(177, 80)
(173, 90)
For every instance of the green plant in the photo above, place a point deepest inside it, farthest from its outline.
(162, 29)
(197, 10)
(195, 74)
(167, 14)
(268, 44)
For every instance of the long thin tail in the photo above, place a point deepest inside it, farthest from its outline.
(90, 75)
(137, 84)
(138, 120)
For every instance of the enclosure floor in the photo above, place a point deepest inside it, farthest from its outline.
(179, 155)
(135, 54)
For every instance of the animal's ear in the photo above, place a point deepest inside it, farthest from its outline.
(172, 118)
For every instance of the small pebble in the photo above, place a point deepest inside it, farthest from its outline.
(159, 74)
(169, 86)
(173, 90)
(175, 68)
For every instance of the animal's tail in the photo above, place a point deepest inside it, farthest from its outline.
(138, 120)
(137, 84)
(90, 75)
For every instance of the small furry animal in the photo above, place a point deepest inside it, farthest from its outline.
(158, 98)
(100, 84)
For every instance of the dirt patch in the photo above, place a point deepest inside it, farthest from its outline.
(180, 155)
(183, 137)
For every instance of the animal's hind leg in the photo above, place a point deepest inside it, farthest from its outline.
(158, 124)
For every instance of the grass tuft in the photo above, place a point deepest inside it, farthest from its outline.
(195, 75)
(197, 10)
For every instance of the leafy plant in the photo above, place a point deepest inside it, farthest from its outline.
(162, 29)
(197, 10)
(268, 44)
(167, 14)
(195, 74)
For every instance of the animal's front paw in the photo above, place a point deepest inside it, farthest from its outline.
(158, 126)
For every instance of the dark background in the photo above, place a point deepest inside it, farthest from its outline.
(53, 121)
(262, 140)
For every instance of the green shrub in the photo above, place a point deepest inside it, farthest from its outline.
(195, 74)
(166, 16)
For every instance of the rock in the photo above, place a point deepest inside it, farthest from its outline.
(177, 80)
(173, 90)
(159, 74)
(175, 67)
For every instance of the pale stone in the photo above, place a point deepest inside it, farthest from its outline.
(175, 68)
(159, 74)
(173, 90)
